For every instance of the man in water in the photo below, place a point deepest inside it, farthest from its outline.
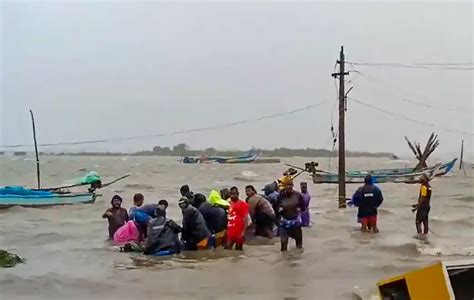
(215, 217)
(237, 221)
(261, 212)
(368, 198)
(116, 215)
(290, 204)
(305, 216)
(186, 192)
(162, 233)
(195, 233)
(423, 206)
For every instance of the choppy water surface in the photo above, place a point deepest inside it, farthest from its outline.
(69, 258)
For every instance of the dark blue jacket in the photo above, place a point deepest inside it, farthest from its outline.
(215, 217)
(367, 198)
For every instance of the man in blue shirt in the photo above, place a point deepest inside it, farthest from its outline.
(368, 198)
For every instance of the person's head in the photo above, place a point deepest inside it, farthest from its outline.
(160, 210)
(184, 190)
(138, 199)
(163, 204)
(225, 193)
(116, 201)
(425, 178)
(234, 193)
(183, 203)
(304, 187)
(368, 179)
(199, 199)
(250, 190)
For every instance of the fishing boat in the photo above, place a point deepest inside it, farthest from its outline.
(245, 158)
(33, 198)
(385, 176)
(43, 197)
(442, 280)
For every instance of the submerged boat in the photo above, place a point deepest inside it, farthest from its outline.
(443, 280)
(384, 176)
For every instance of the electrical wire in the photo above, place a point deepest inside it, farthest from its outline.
(410, 119)
(432, 66)
(178, 132)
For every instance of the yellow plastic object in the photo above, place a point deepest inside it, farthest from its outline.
(442, 280)
(425, 283)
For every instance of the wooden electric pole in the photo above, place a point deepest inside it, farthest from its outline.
(342, 142)
(462, 154)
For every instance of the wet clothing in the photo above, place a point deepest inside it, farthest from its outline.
(162, 236)
(262, 214)
(425, 193)
(149, 209)
(194, 227)
(215, 199)
(215, 217)
(118, 219)
(367, 198)
(259, 205)
(305, 217)
(238, 212)
(424, 206)
(369, 221)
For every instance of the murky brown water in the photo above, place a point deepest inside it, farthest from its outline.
(69, 258)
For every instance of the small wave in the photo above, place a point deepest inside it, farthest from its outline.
(408, 249)
(465, 198)
(138, 186)
(384, 211)
(247, 176)
(468, 222)
(448, 251)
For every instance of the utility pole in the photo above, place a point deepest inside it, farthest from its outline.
(342, 141)
(462, 154)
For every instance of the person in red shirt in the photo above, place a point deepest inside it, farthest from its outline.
(237, 221)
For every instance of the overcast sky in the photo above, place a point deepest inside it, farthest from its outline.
(100, 70)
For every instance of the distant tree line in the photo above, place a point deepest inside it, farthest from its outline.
(182, 150)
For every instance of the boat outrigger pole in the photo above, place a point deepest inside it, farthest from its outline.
(36, 150)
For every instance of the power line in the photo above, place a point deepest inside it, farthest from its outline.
(432, 66)
(208, 128)
(410, 119)
(409, 99)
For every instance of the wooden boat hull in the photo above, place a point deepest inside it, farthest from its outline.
(443, 280)
(44, 201)
(435, 171)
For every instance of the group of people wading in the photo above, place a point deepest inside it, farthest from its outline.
(224, 220)
(220, 220)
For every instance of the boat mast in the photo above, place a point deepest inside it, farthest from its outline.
(36, 150)
(342, 141)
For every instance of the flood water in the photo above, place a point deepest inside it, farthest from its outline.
(68, 256)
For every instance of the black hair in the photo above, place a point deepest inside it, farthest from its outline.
(234, 188)
(251, 187)
(198, 199)
(116, 197)
(138, 197)
(184, 189)
(368, 179)
(163, 202)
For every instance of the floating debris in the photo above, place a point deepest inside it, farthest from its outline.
(9, 260)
